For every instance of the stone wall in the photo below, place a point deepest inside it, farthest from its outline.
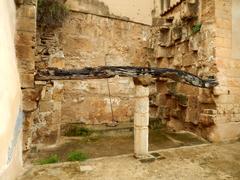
(228, 63)
(25, 52)
(191, 35)
(84, 40)
(184, 39)
(196, 36)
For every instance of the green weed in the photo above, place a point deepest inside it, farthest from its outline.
(77, 156)
(49, 160)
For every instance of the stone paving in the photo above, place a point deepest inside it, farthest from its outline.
(208, 161)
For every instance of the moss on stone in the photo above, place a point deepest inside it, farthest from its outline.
(78, 131)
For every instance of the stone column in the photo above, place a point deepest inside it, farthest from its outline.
(141, 121)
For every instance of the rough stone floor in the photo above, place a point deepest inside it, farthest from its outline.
(206, 162)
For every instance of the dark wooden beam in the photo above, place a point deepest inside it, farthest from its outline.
(124, 71)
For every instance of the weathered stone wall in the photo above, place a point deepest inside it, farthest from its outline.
(206, 51)
(86, 40)
(228, 63)
(195, 36)
(183, 38)
(25, 52)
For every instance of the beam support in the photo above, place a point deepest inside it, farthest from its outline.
(141, 121)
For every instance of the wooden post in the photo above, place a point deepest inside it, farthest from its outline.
(141, 121)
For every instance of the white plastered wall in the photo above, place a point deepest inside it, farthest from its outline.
(10, 96)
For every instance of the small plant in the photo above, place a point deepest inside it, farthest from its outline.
(78, 131)
(196, 28)
(51, 13)
(49, 160)
(77, 156)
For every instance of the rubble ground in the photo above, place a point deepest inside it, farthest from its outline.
(208, 162)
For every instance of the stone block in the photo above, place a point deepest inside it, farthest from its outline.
(86, 168)
(161, 86)
(152, 89)
(195, 42)
(25, 52)
(142, 105)
(46, 106)
(161, 99)
(45, 135)
(27, 11)
(27, 80)
(143, 80)
(40, 83)
(141, 91)
(188, 59)
(25, 38)
(26, 24)
(165, 38)
(47, 93)
(30, 98)
(26, 66)
(56, 62)
(188, 10)
(192, 115)
(210, 111)
(205, 96)
(58, 88)
(163, 63)
(161, 52)
(177, 33)
(185, 33)
(177, 61)
(141, 119)
(193, 102)
(140, 141)
(207, 120)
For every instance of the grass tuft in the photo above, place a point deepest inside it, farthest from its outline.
(49, 160)
(77, 156)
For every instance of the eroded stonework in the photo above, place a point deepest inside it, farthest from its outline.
(177, 45)
(191, 35)
(84, 40)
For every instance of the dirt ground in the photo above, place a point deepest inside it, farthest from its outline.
(113, 145)
(199, 162)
